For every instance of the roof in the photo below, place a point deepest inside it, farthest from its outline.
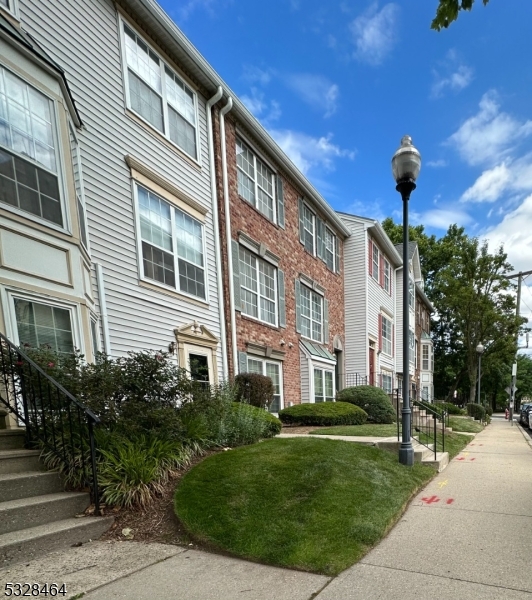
(425, 336)
(420, 292)
(317, 350)
(168, 35)
(411, 249)
(29, 46)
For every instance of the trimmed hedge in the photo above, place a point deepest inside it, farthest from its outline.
(476, 411)
(273, 424)
(450, 408)
(372, 400)
(254, 389)
(323, 413)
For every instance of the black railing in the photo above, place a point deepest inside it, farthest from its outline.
(54, 420)
(354, 379)
(428, 426)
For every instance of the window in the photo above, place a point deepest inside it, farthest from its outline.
(330, 246)
(425, 393)
(387, 382)
(158, 95)
(95, 337)
(171, 242)
(387, 286)
(375, 270)
(425, 363)
(10, 5)
(255, 181)
(272, 370)
(411, 301)
(311, 314)
(412, 343)
(43, 324)
(416, 353)
(323, 386)
(80, 202)
(28, 163)
(432, 360)
(199, 368)
(258, 287)
(387, 335)
(307, 224)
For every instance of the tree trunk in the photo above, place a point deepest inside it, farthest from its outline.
(473, 373)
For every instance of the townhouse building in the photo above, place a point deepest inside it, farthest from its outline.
(371, 321)
(424, 375)
(283, 277)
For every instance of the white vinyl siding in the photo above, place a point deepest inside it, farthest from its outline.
(158, 95)
(323, 385)
(171, 243)
(387, 336)
(311, 314)
(255, 181)
(29, 174)
(258, 287)
(273, 370)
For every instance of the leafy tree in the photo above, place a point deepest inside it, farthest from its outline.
(448, 10)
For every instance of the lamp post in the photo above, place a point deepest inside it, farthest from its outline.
(480, 352)
(406, 164)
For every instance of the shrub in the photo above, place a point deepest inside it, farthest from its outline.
(323, 413)
(476, 411)
(254, 389)
(450, 408)
(372, 399)
(489, 411)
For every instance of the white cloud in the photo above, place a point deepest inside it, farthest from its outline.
(256, 76)
(308, 152)
(187, 8)
(451, 74)
(437, 164)
(374, 33)
(490, 134)
(369, 210)
(267, 111)
(441, 218)
(317, 91)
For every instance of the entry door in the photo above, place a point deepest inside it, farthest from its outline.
(372, 366)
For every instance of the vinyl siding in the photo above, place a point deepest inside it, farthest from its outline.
(83, 37)
(305, 377)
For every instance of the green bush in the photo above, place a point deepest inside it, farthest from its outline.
(450, 408)
(323, 413)
(476, 411)
(254, 389)
(489, 411)
(372, 399)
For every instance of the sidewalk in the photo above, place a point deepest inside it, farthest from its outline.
(466, 536)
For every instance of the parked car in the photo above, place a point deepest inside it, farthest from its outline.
(523, 414)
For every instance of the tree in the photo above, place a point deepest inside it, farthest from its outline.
(448, 10)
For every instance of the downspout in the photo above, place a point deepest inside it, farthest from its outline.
(234, 351)
(103, 309)
(215, 224)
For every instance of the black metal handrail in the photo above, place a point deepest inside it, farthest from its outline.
(53, 417)
(427, 426)
(354, 379)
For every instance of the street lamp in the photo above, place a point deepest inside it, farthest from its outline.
(406, 163)
(480, 352)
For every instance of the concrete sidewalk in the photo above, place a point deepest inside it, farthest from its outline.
(467, 535)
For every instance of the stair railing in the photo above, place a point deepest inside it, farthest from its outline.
(426, 424)
(54, 419)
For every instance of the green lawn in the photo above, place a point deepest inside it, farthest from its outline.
(467, 425)
(312, 504)
(364, 430)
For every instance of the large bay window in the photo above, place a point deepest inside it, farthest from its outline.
(258, 287)
(425, 360)
(29, 174)
(159, 95)
(323, 385)
(171, 245)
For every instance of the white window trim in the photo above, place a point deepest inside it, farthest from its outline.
(200, 351)
(8, 300)
(278, 363)
(314, 240)
(375, 249)
(61, 166)
(319, 367)
(423, 359)
(163, 286)
(258, 294)
(163, 64)
(13, 9)
(387, 273)
(329, 230)
(390, 339)
(256, 183)
(321, 297)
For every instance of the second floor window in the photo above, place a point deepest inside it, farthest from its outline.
(29, 178)
(387, 335)
(375, 263)
(158, 95)
(411, 298)
(258, 290)
(255, 181)
(330, 246)
(172, 245)
(307, 227)
(425, 363)
(386, 276)
(311, 314)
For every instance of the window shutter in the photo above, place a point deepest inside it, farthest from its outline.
(236, 273)
(326, 320)
(337, 254)
(380, 332)
(320, 238)
(370, 257)
(280, 202)
(381, 269)
(301, 227)
(282, 303)
(242, 362)
(298, 306)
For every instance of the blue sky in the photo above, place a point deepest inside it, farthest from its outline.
(337, 84)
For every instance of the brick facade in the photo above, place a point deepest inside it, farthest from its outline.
(293, 261)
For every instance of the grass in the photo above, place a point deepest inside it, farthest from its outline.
(312, 504)
(454, 442)
(368, 429)
(466, 425)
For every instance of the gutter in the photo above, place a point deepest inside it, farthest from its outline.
(216, 225)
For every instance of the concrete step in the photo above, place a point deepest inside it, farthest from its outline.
(27, 544)
(32, 512)
(12, 439)
(14, 486)
(17, 461)
(441, 461)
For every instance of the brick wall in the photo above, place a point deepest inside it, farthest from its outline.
(293, 260)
